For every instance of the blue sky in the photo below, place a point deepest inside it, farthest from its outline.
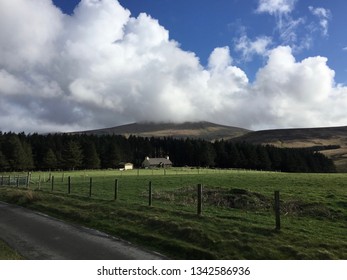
(202, 25)
(258, 64)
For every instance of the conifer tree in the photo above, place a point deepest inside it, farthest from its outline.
(91, 157)
(72, 155)
(50, 161)
(15, 153)
(4, 165)
(112, 156)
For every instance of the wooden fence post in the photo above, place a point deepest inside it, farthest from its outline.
(199, 209)
(150, 193)
(52, 183)
(90, 186)
(69, 185)
(278, 210)
(28, 180)
(116, 189)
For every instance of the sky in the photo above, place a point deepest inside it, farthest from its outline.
(257, 64)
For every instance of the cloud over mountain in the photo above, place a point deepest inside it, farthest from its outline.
(101, 67)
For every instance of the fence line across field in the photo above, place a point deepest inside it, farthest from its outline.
(24, 181)
(14, 180)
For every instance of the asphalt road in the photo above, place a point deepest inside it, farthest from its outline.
(39, 237)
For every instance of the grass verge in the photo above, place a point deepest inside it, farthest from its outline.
(7, 253)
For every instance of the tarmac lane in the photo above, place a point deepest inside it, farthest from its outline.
(37, 236)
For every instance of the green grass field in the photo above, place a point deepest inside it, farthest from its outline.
(237, 221)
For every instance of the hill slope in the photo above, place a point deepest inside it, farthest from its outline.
(204, 130)
(305, 137)
(291, 138)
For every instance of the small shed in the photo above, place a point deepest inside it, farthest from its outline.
(156, 162)
(126, 166)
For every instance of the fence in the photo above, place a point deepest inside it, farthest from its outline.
(14, 181)
(196, 195)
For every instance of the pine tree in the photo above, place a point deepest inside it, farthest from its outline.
(189, 153)
(234, 157)
(50, 161)
(275, 155)
(29, 161)
(112, 156)
(4, 165)
(91, 157)
(264, 159)
(205, 154)
(15, 153)
(72, 155)
(222, 157)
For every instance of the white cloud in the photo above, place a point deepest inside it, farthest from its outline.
(290, 28)
(249, 48)
(29, 32)
(324, 15)
(286, 26)
(302, 91)
(275, 7)
(101, 67)
(220, 59)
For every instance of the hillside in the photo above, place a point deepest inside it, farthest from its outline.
(291, 138)
(305, 137)
(204, 130)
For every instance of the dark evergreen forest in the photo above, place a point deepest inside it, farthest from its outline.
(21, 152)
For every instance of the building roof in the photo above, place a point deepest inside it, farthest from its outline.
(158, 161)
(125, 163)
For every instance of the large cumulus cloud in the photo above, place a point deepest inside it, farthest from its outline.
(102, 67)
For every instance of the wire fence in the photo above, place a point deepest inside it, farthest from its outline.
(15, 180)
(171, 192)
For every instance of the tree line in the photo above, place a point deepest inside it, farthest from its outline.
(20, 152)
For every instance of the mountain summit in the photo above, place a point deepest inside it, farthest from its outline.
(203, 130)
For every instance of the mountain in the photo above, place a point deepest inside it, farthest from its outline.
(203, 130)
(331, 140)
